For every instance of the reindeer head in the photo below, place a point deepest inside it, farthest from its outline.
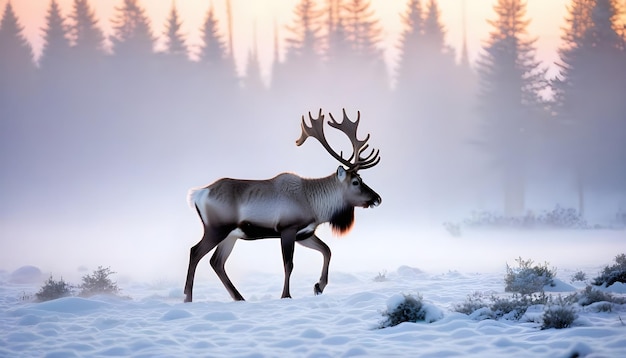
(356, 192)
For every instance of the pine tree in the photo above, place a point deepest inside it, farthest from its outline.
(17, 76)
(354, 57)
(410, 47)
(338, 64)
(17, 66)
(429, 100)
(304, 44)
(253, 82)
(364, 32)
(277, 76)
(87, 37)
(174, 40)
(510, 80)
(214, 57)
(302, 65)
(433, 29)
(216, 63)
(213, 50)
(589, 95)
(337, 45)
(438, 58)
(55, 54)
(132, 37)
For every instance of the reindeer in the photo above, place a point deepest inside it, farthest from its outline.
(287, 207)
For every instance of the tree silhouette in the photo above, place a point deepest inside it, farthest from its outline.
(429, 99)
(364, 32)
(55, 54)
(304, 44)
(438, 62)
(213, 50)
(17, 65)
(302, 64)
(216, 63)
(132, 37)
(175, 44)
(589, 95)
(337, 46)
(87, 37)
(410, 48)
(433, 27)
(354, 56)
(511, 80)
(252, 81)
(17, 76)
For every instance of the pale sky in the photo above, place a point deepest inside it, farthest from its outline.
(547, 20)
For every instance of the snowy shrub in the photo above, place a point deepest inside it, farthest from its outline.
(453, 229)
(473, 303)
(612, 274)
(558, 314)
(515, 307)
(579, 276)
(591, 295)
(98, 283)
(557, 218)
(526, 279)
(408, 308)
(381, 277)
(563, 218)
(52, 290)
(477, 306)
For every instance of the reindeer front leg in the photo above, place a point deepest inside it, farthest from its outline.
(287, 243)
(314, 242)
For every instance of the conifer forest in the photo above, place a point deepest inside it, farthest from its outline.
(102, 124)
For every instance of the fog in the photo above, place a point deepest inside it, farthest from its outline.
(77, 202)
(97, 158)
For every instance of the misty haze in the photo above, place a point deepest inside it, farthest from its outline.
(102, 136)
(511, 151)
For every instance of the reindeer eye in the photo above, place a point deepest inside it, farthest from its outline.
(355, 182)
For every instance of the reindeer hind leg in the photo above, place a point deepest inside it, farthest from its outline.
(218, 260)
(210, 239)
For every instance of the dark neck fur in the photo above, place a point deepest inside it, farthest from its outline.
(342, 220)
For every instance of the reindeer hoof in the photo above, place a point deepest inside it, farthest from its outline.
(317, 289)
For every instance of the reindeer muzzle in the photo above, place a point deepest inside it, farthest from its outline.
(373, 203)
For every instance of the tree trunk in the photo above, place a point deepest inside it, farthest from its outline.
(581, 194)
(513, 192)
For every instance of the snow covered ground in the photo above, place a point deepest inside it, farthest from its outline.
(341, 322)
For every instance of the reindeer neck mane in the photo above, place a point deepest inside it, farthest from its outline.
(327, 201)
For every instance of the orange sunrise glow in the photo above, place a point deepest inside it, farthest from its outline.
(547, 18)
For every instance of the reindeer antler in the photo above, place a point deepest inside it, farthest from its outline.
(349, 128)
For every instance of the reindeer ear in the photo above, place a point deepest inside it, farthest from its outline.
(341, 173)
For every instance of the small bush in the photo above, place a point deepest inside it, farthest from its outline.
(558, 314)
(409, 309)
(526, 279)
(591, 295)
(453, 229)
(494, 307)
(52, 290)
(381, 277)
(98, 283)
(557, 218)
(473, 303)
(614, 273)
(579, 276)
(515, 307)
